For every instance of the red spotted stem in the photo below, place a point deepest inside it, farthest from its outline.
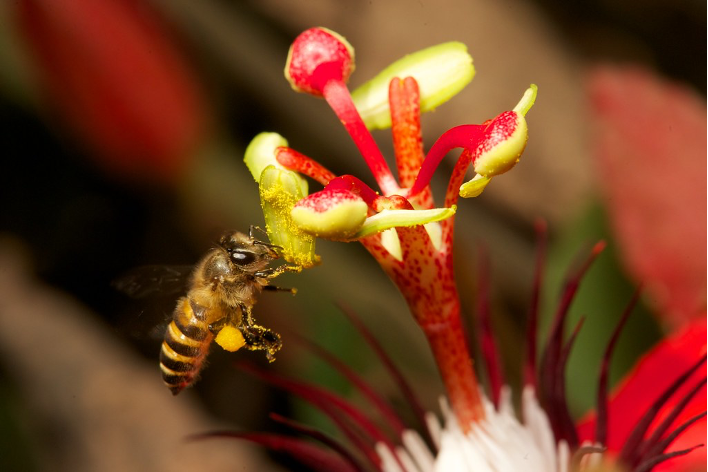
(425, 278)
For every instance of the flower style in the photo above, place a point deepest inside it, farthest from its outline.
(412, 241)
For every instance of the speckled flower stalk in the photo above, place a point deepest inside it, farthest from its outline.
(399, 225)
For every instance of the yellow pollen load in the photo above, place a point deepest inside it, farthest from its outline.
(230, 338)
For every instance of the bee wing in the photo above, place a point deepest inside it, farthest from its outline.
(154, 290)
(148, 281)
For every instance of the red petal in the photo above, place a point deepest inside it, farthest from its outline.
(651, 151)
(111, 71)
(654, 373)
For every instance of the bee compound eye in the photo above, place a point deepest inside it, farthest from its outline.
(242, 257)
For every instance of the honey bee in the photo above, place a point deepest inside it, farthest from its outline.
(223, 288)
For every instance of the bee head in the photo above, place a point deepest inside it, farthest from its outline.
(245, 251)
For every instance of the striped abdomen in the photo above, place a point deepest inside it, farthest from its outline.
(185, 346)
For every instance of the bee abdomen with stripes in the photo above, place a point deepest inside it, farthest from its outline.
(184, 348)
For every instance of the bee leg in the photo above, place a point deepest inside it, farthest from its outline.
(273, 272)
(259, 338)
(218, 325)
(273, 288)
(246, 315)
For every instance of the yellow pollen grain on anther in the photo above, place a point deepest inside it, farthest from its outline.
(281, 203)
(230, 338)
(279, 194)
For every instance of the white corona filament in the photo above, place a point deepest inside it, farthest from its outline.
(499, 443)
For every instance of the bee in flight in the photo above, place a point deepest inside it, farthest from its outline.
(223, 288)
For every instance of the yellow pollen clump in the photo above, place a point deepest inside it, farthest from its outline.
(282, 203)
(230, 338)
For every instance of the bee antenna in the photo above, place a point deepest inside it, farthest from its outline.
(253, 228)
(272, 246)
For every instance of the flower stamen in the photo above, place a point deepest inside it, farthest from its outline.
(295, 161)
(338, 97)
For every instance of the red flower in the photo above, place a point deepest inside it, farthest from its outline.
(651, 153)
(112, 73)
(655, 373)
(657, 403)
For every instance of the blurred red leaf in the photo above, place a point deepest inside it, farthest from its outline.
(640, 388)
(111, 70)
(651, 153)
